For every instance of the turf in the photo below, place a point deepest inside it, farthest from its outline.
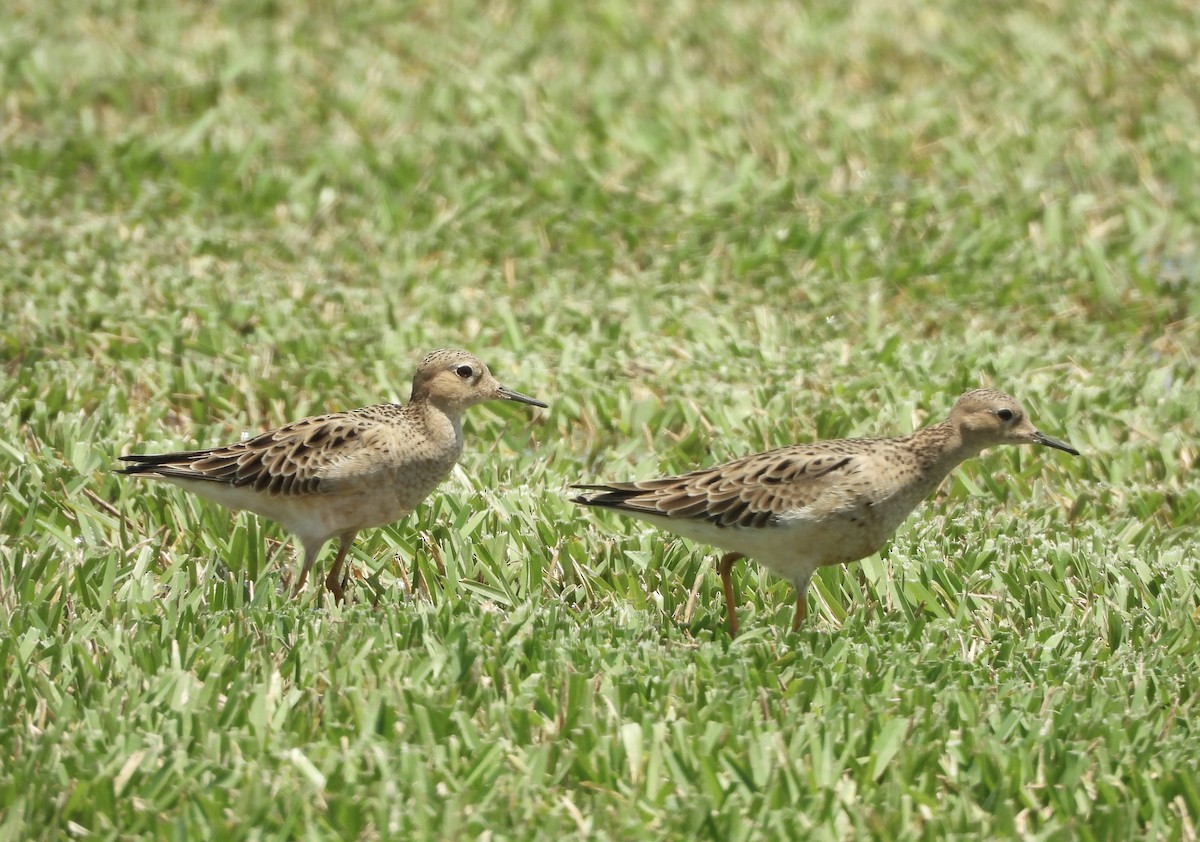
(697, 230)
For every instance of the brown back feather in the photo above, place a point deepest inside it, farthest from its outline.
(291, 460)
(748, 492)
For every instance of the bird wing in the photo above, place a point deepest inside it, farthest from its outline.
(749, 492)
(293, 460)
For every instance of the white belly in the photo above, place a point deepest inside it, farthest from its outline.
(793, 547)
(313, 517)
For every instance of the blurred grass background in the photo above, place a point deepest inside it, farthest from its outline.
(697, 230)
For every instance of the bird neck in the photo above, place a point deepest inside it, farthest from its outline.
(443, 424)
(939, 449)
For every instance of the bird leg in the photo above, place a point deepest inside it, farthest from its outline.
(801, 586)
(334, 582)
(726, 570)
(310, 555)
(801, 612)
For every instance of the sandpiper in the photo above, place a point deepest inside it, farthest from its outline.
(809, 505)
(330, 476)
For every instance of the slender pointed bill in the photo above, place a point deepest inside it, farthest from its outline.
(1042, 438)
(509, 394)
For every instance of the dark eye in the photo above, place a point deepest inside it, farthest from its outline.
(465, 372)
(1005, 415)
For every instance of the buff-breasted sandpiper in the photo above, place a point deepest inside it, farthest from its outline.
(331, 476)
(809, 505)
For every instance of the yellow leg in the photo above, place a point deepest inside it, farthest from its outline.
(801, 586)
(334, 582)
(310, 555)
(726, 571)
(801, 612)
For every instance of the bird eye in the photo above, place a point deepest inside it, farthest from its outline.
(1005, 415)
(465, 372)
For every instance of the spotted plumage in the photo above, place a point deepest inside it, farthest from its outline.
(332, 475)
(798, 508)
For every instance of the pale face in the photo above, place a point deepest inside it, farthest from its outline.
(457, 380)
(986, 417)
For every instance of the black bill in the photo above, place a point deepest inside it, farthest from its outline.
(509, 394)
(1042, 438)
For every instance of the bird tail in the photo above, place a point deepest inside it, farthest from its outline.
(606, 495)
(177, 465)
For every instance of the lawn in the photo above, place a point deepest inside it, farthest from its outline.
(696, 230)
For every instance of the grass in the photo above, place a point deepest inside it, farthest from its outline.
(697, 230)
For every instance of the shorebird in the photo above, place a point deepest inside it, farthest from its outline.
(330, 476)
(810, 505)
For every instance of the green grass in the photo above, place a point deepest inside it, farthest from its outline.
(697, 230)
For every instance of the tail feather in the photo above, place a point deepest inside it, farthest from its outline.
(608, 495)
(176, 464)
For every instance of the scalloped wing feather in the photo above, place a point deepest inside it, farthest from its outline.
(747, 492)
(290, 461)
